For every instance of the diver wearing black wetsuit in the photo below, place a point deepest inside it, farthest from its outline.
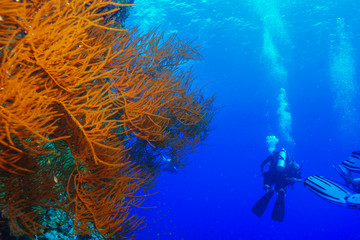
(281, 173)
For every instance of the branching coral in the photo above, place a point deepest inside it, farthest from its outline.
(80, 101)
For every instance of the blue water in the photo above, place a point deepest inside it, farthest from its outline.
(252, 49)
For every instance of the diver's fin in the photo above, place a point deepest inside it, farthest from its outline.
(354, 201)
(353, 162)
(260, 206)
(278, 212)
(330, 190)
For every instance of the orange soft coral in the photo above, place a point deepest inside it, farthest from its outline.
(79, 99)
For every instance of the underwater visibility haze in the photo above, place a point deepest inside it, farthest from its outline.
(149, 119)
(278, 68)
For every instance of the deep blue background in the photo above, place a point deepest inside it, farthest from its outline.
(213, 197)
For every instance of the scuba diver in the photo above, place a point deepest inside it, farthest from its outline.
(281, 173)
(169, 166)
(345, 195)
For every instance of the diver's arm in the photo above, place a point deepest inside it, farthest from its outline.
(266, 161)
(293, 180)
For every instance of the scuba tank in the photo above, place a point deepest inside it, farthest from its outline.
(281, 161)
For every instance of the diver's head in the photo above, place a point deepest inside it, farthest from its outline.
(279, 149)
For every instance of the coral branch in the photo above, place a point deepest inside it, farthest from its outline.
(88, 110)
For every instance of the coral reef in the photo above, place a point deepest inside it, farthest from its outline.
(88, 110)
